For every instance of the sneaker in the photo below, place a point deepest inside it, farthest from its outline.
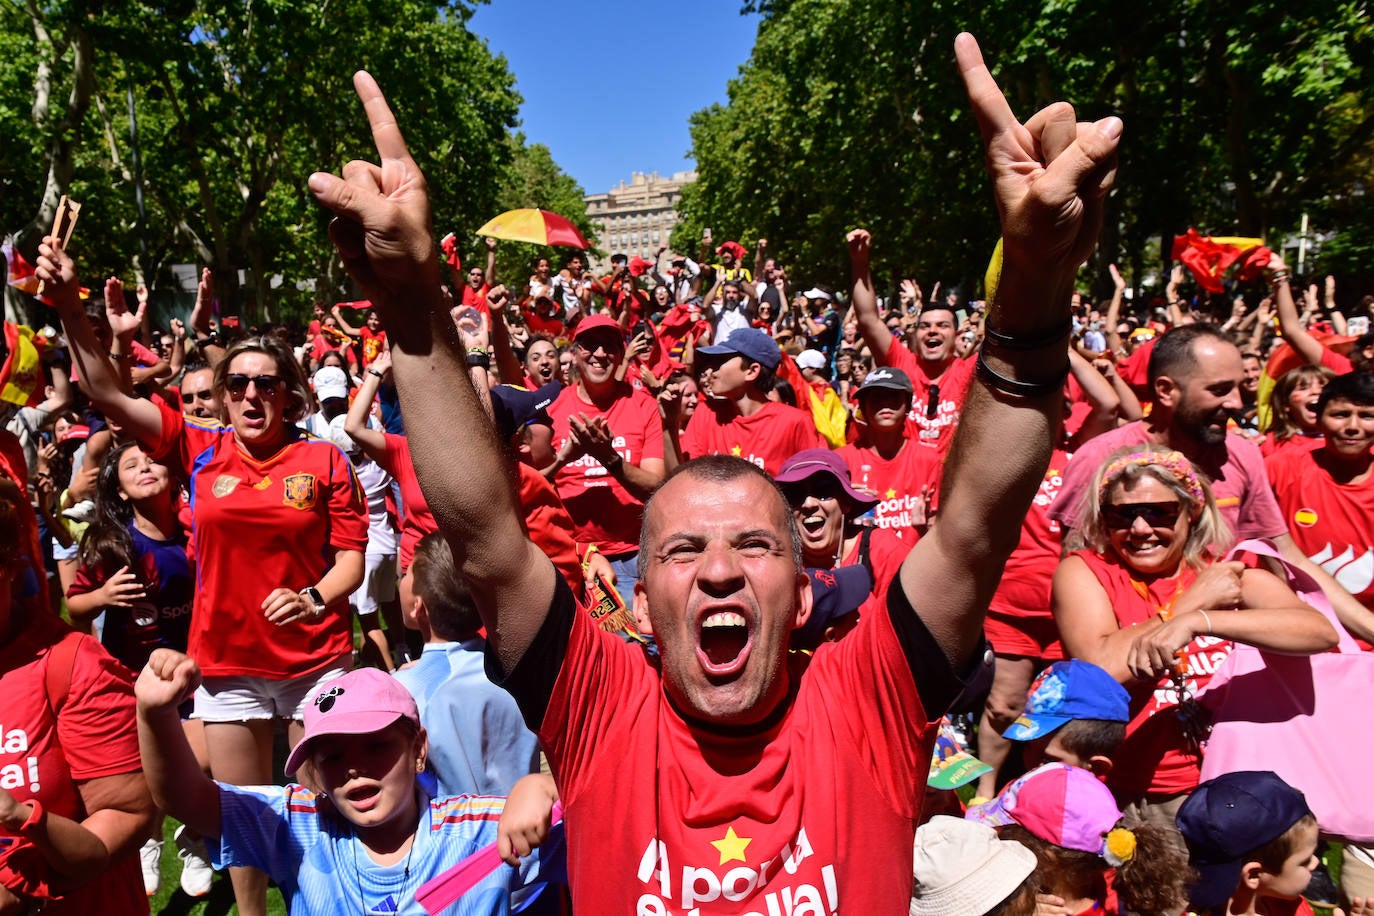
(150, 858)
(196, 872)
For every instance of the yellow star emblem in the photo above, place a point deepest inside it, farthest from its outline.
(731, 847)
(736, 450)
(891, 493)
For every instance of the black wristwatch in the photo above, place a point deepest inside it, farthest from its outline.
(312, 594)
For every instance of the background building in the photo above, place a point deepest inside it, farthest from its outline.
(636, 218)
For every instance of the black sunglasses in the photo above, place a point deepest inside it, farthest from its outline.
(933, 405)
(237, 385)
(1120, 516)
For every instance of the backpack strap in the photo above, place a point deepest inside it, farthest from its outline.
(865, 549)
(57, 675)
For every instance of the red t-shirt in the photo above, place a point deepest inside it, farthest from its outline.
(1239, 483)
(952, 384)
(1024, 590)
(372, 344)
(95, 735)
(768, 437)
(417, 521)
(1270, 446)
(897, 482)
(814, 812)
(258, 526)
(1155, 757)
(548, 524)
(886, 551)
(1332, 523)
(604, 512)
(476, 298)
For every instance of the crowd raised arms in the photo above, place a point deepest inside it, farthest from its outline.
(751, 565)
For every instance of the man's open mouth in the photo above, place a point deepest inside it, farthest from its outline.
(723, 642)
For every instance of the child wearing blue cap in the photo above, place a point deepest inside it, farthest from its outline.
(1076, 713)
(1253, 841)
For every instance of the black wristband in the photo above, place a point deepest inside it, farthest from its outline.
(210, 341)
(1017, 388)
(376, 373)
(479, 360)
(615, 464)
(1038, 342)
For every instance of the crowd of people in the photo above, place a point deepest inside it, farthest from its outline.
(663, 582)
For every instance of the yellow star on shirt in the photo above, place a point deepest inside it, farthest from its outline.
(736, 450)
(731, 847)
(891, 493)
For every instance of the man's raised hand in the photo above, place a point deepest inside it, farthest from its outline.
(1049, 175)
(382, 224)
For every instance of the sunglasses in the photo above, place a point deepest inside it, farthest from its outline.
(823, 488)
(1120, 516)
(933, 405)
(237, 385)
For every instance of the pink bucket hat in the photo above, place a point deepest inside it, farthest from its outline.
(361, 702)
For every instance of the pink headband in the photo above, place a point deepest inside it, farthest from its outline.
(1173, 462)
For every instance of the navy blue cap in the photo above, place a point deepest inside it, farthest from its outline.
(835, 593)
(1229, 817)
(753, 343)
(515, 407)
(1070, 690)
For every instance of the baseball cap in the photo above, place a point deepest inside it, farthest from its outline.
(1069, 690)
(1060, 804)
(363, 701)
(835, 593)
(330, 382)
(809, 462)
(77, 432)
(598, 322)
(887, 377)
(753, 343)
(1227, 818)
(811, 359)
(516, 408)
(816, 292)
(962, 868)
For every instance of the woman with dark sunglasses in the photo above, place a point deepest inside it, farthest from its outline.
(1152, 602)
(280, 527)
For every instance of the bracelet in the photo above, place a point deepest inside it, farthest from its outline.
(374, 372)
(1279, 280)
(32, 822)
(120, 357)
(1015, 387)
(478, 359)
(1040, 341)
(1207, 618)
(616, 463)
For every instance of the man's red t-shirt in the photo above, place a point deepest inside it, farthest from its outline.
(1155, 757)
(813, 811)
(768, 437)
(1332, 523)
(897, 482)
(605, 513)
(548, 524)
(951, 389)
(417, 521)
(258, 526)
(42, 757)
(1024, 590)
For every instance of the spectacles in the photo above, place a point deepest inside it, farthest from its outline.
(823, 488)
(1120, 516)
(237, 385)
(933, 405)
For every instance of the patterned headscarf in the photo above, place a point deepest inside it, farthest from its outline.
(1171, 461)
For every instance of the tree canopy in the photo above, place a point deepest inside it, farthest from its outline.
(851, 112)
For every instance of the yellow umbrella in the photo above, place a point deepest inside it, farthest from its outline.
(538, 226)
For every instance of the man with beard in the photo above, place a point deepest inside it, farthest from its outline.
(940, 379)
(1195, 376)
(815, 766)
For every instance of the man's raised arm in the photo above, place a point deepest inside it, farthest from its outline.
(383, 234)
(1049, 177)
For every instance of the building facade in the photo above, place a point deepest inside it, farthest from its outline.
(638, 217)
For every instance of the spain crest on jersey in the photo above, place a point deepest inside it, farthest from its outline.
(298, 490)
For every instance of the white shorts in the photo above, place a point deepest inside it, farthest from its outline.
(379, 584)
(243, 698)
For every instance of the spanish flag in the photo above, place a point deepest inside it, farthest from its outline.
(824, 405)
(21, 377)
(1210, 256)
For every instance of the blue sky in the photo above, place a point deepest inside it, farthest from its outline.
(609, 85)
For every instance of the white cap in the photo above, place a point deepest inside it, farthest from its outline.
(330, 382)
(816, 292)
(811, 359)
(963, 869)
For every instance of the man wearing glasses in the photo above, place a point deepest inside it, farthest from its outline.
(608, 442)
(940, 379)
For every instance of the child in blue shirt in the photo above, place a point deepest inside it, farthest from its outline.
(358, 834)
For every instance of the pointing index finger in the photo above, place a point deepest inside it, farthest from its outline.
(386, 133)
(989, 104)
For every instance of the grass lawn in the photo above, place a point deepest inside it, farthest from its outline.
(172, 901)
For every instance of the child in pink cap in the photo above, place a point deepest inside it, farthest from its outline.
(1069, 819)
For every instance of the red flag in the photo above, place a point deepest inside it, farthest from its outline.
(639, 266)
(21, 273)
(450, 246)
(1210, 257)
